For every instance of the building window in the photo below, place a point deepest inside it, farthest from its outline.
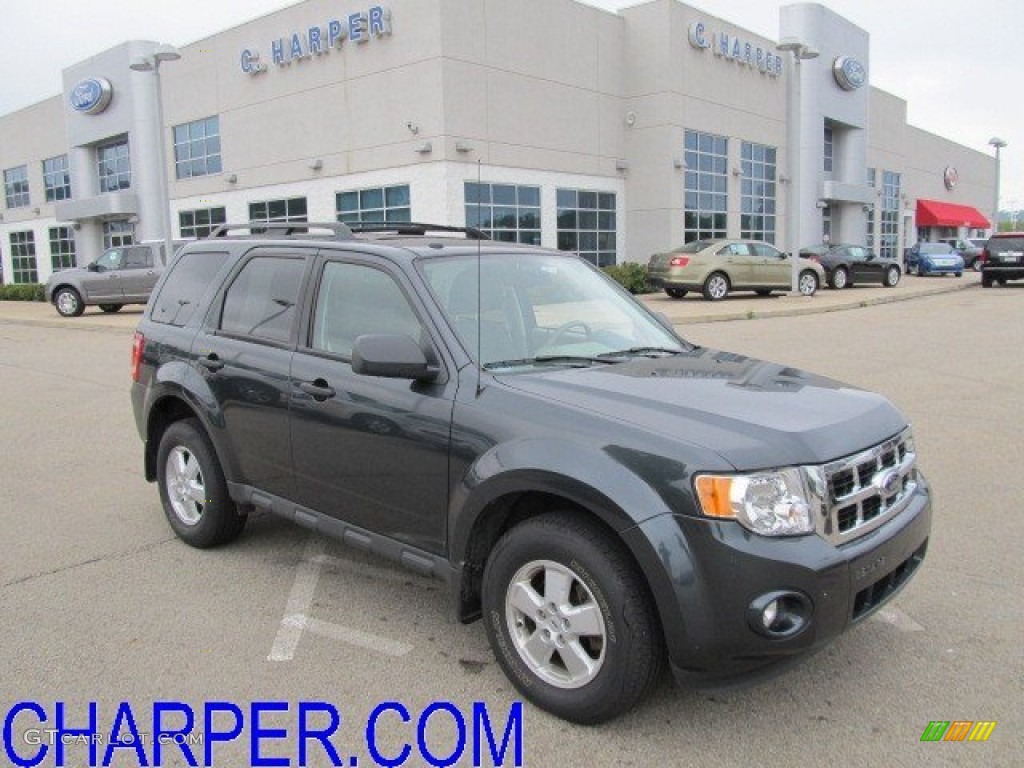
(23, 257)
(200, 222)
(706, 196)
(117, 234)
(62, 248)
(114, 167)
(890, 225)
(757, 220)
(869, 212)
(57, 178)
(197, 148)
(829, 149)
(506, 212)
(16, 186)
(387, 204)
(826, 224)
(586, 225)
(291, 209)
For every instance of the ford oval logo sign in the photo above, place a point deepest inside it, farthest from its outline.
(849, 73)
(91, 96)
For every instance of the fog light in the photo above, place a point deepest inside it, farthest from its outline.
(780, 615)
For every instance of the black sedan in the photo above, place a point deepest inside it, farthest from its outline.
(846, 264)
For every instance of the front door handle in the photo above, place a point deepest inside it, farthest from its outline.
(211, 362)
(318, 389)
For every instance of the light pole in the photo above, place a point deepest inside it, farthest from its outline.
(998, 143)
(801, 52)
(151, 63)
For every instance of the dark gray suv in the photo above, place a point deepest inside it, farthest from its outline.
(605, 495)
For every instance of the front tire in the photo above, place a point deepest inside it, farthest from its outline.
(675, 293)
(193, 490)
(807, 283)
(892, 277)
(68, 302)
(840, 277)
(570, 618)
(716, 287)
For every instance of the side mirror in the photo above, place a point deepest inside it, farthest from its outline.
(93, 266)
(391, 356)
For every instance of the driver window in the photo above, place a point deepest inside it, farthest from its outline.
(355, 300)
(111, 259)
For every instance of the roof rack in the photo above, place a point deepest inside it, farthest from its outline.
(414, 228)
(276, 228)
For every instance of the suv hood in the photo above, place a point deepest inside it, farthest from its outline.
(752, 413)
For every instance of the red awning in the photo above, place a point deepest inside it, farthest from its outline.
(932, 213)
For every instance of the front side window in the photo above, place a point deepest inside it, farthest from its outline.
(506, 212)
(200, 222)
(757, 192)
(113, 167)
(118, 233)
(23, 257)
(290, 209)
(62, 248)
(354, 300)
(16, 187)
(586, 225)
(386, 204)
(706, 196)
(261, 301)
(57, 178)
(110, 259)
(197, 148)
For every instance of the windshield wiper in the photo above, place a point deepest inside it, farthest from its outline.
(641, 352)
(579, 361)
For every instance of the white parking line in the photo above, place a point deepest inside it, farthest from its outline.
(898, 619)
(297, 617)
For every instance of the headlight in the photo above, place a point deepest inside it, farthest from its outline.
(777, 503)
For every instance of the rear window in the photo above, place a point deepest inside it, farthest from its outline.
(935, 248)
(1004, 244)
(189, 277)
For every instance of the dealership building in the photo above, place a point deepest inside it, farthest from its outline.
(615, 135)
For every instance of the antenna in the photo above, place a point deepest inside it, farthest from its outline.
(479, 293)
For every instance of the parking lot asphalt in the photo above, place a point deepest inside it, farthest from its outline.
(100, 603)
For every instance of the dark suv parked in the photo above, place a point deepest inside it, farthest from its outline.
(1003, 259)
(605, 495)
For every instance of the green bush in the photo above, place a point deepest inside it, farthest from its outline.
(630, 275)
(22, 292)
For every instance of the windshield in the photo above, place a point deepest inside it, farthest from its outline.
(541, 308)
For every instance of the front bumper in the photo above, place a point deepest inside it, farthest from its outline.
(708, 573)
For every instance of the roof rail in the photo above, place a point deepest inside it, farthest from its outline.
(414, 228)
(277, 228)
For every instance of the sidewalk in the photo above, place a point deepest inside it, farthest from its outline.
(687, 311)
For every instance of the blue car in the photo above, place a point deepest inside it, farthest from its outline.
(934, 259)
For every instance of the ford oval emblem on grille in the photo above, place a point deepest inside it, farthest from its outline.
(888, 483)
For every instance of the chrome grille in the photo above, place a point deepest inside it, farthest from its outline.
(868, 488)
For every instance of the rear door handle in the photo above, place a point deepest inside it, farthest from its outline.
(318, 389)
(211, 362)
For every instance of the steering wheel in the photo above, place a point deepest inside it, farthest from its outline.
(563, 329)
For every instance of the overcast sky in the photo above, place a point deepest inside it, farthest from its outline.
(958, 64)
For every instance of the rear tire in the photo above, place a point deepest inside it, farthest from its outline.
(892, 277)
(840, 278)
(111, 308)
(763, 291)
(570, 618)
(193, 490)
(986, 281)
(716, 287)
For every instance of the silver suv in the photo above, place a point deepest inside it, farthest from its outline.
(122, 275)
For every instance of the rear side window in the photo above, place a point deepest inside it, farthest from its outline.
(189, 277)
(262, 301)
(138, 257)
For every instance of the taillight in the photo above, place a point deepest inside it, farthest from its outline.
(138, 345)
(679, 261)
